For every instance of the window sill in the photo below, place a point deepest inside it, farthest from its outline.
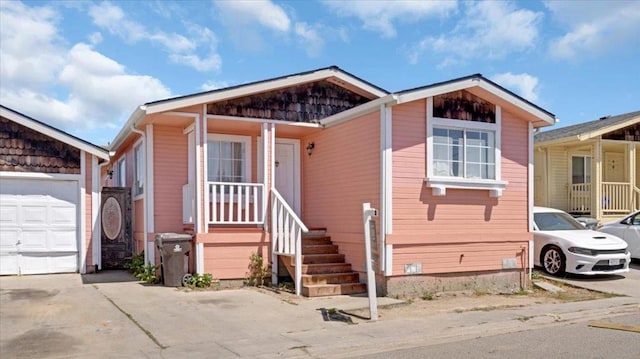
(439, 185)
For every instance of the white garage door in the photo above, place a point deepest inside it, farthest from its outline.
(38, 226)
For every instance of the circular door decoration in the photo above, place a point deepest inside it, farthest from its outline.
(111, 218)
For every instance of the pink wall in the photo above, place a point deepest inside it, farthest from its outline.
(227, 251)
(440, 230)
(169, 175)
(342, 173)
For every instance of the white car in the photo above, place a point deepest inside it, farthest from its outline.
(561, 244)
(628, 229)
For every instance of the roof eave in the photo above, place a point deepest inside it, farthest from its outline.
(358, 111)
(264, 86)
(54, 133)
(125, 131)
(480, 82)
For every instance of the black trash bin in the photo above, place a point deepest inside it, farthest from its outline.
(174, 248)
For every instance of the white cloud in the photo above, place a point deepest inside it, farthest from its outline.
(31, 50)
(594, 28)
(487, 29)
(214, 85)
(196, 50)
(309, 38)
(246, 22)
(264, 12)
(380, 16)
(523, 84)
(75, 89)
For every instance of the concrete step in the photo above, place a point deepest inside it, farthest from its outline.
(320, 290)
(322, 258)
(330, 278)
(326, 268)
(319, 249)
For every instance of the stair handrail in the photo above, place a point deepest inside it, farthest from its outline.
(286, 236)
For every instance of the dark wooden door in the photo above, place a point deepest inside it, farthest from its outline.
(116, 238)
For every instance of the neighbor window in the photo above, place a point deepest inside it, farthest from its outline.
(580, 169)
(229, 158)
(138, 163)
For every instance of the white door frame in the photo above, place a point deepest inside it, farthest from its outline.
(297, 165)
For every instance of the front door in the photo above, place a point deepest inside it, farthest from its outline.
(287, 159)
(116, 238)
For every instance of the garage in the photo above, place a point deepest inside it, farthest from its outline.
(38, 226)
(49, 195)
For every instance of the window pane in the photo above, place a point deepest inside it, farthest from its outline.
(440, 135)
(473, 154)
(577, 169)
(441, 168)
(441, 152)
(587, 169)
(456, 136)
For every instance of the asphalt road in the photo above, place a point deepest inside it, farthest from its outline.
(567, 341)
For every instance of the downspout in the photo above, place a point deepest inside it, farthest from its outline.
(145, 194)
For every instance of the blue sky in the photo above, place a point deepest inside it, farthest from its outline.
(84, 66)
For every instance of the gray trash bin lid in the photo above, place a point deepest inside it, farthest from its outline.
(172, 237)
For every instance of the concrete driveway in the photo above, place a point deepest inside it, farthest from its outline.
(627, 284)
(110, 315)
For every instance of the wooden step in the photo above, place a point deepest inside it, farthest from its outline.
(330, 278)
(322, 258)
(315, 232)
(320, 290)
(319, 249)
(316, 241)
(326, 268)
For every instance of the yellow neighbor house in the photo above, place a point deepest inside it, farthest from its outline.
(590, 169)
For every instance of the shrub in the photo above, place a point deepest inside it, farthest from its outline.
(257, 271)
(201, 280)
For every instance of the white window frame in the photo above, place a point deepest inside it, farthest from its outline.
(138, 170)
(439, 184)
(585, 172)
(246, 140)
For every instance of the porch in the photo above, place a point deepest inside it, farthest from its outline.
(616, 199)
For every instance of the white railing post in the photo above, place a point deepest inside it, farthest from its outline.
(286, 234)
(235, 203)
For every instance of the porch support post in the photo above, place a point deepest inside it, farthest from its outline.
(631, 150)
(596, 190)
(267, 178)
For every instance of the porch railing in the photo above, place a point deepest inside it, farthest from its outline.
(580, 198)
(616, 197)
(636, 192)
(235, 203)
(286, 236)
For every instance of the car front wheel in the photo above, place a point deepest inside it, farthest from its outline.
(553, 261)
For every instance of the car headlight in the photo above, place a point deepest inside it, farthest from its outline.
(584, 251)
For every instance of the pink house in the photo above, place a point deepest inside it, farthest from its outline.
(282, 167)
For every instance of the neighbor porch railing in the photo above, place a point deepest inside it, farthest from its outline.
(286, 236)
(616, 198)
(580, 198)
(235, 203)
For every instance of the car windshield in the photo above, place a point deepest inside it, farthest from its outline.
(556, 221)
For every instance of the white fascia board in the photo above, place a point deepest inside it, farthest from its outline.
(136, 116)
(241, 91)
(476, 82)
(53, 133)
(436, 90)
(360, 84)
(262, 120)
(551, 120)
(358, 111)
